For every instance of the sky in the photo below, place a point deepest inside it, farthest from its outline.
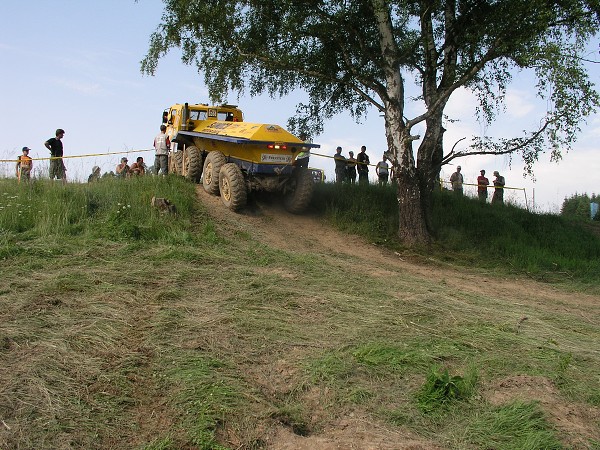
(75, 64)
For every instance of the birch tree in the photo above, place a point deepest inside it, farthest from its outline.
(360, 55)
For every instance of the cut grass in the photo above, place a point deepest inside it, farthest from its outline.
(516, 425)
(188, 338)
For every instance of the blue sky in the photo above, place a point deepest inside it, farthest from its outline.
(75, 65)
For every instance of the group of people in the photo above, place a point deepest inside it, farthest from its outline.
(124, 170)
(457, 180)
(161, 161)
(347, 169)
(57, 167)
(58, 170)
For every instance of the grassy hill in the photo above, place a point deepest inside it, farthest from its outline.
(122, 327)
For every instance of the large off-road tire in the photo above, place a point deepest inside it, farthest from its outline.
(191, 166)
(298, 200)
(233, 187)
(212, 166)
(176, 162)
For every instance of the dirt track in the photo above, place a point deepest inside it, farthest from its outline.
(270, 224)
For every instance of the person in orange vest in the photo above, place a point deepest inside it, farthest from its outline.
(24, 165)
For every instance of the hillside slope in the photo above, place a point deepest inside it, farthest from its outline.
(518, 303)
(270, 330)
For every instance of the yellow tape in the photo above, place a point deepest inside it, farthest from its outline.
(81, 156)
(332, 157)
(489, 186)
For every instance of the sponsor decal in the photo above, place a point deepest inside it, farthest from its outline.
(270, 158)
(219, 126)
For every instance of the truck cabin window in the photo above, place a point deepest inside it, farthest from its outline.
(197, 115)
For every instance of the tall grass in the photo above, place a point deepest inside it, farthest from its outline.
(111, 208)
(468, 232)
(368, 210)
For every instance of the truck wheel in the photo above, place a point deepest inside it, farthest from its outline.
(212, 166)
(191, 166)
(233, 187)
(176, 162)
(297, 200)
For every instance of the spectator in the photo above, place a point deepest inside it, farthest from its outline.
(382, 170)
(57, 167)
(123, 169)
(302, 159)
(138, 167)
(351, 168)
(24, 165)
(340, 166)
(363, 165)
(482, 184)
(95, 175)
(498, 197)
(457, 181)
(161, 147)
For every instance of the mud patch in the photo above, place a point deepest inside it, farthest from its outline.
(352, 432)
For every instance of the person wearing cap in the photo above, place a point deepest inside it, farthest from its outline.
(57, 167)
(498, 197)
(351, 168)
(122, 169)
(24, 165)
(457, 180)
(138, 167)
(95, 175)
(482, 184)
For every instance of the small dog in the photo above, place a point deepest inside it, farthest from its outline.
(163, 205)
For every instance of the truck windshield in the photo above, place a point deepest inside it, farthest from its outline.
(197, 115)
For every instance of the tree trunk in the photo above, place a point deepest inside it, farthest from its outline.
(412, 229)
(429, 157)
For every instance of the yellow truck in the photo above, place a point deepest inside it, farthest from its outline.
(214, 145)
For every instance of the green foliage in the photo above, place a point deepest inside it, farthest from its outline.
(578, 207)
(516, 425)
(336, 52)
(341, 52)
(441, 389)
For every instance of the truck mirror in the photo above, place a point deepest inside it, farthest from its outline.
(165, 116)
